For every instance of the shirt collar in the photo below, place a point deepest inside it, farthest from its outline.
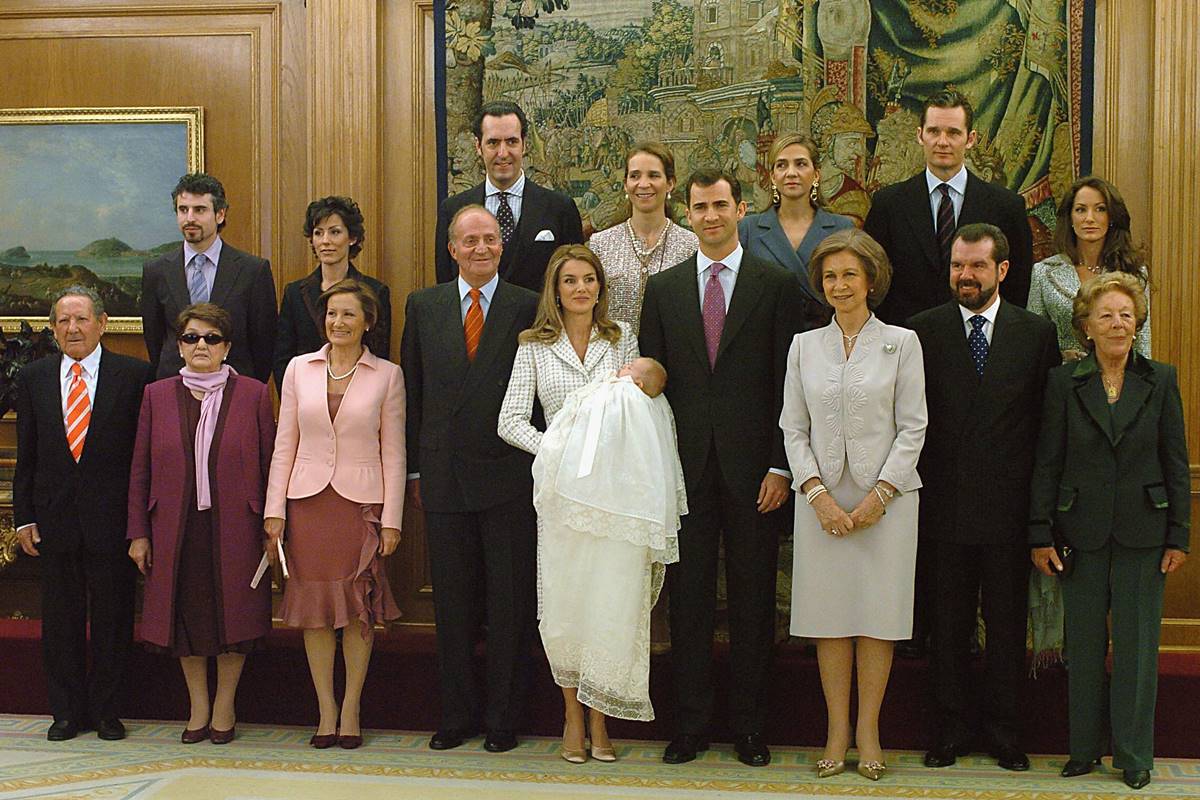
(488, 289)
(958, 183)
(516, 190)
(733, 261)
(989, 314)
(90, 363)
(213, 253)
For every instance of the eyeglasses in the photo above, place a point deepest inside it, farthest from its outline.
(210, 339)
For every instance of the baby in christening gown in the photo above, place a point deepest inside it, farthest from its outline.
(609, 491)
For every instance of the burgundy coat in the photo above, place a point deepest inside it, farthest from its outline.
(162, 487)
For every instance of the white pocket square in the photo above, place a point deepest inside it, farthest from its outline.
(544, 236)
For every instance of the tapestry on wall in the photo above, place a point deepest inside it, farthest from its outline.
(718, 80)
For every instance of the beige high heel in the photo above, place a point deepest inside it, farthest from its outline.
(569, 755)
(605, 754)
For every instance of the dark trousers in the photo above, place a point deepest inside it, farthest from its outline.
(965, 575)
(82, 591)
(1128, 582)
(751, 551)
(484, 562)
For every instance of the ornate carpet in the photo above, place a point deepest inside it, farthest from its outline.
(268, 763)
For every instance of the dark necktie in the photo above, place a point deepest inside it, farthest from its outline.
(945, 224)
(978, 343)
(504, 216)
(713, 312)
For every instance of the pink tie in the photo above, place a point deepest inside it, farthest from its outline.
(713, 311)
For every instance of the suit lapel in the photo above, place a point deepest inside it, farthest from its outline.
(228, 267)
(532, 208)
(773, 236)
(920, 218)
(496, 326)
(108, 382)
(1090, 391)
(176, 280)
(1007, 328)
(1135, 393)
(686, 296)
(746, 292)
(959, 361)
(974, 207)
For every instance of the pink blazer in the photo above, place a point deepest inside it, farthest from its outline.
(361, 454)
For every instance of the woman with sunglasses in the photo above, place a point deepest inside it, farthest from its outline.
(196, 494)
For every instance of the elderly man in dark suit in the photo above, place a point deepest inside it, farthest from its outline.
(986, 361)
(207, 270)
(77, 415)
(457, 351)
(915, 220)
(721, 324)
(533, 220)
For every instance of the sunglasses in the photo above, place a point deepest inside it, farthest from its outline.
(210, 339)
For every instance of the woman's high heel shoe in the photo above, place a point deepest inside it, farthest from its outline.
(605, 754)
(827, 767)
(573, 756)
(323, 741)
(873, 770)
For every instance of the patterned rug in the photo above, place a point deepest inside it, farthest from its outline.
(275, 763)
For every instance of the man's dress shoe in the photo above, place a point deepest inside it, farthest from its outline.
(499, 741)
(944, 754)
(62, 730)
(683, 748)
(1136, 778)
(1008, 756)
(110, 729)
(448, 739)
(1074, 768)
(752, 750)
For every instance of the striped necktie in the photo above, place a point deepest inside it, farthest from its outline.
(197, 285)
(473, 325)
(79, 411)
(945, 224)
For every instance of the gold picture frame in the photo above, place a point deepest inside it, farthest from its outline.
(84, 194)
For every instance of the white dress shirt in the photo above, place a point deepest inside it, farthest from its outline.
(91, 369)
(988, 313)
(516, 194)
(486, 292)
(726, 277)
(958, 190)
(209, 271)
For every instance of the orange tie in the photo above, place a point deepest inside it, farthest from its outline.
(79, 411)
(473, 325)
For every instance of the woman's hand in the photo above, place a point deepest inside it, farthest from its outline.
(273, 527)
(1046, 560)
(868, 511)
(139, 551)
(1172, 560)
(389, 539)
(833, 519)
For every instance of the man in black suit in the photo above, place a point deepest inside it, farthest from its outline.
(721, 323)
(915, 220)
(533, 221)
(77, 415)
(986, 362)
(206, 269)
(476, 490)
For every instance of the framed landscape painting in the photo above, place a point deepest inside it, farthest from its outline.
(85, 198)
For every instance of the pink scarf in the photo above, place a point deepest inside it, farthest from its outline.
(212, 384)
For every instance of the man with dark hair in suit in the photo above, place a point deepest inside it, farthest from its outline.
(914, 221)
(721, 324)
(77, 415)
(533, 221)
(986, 362)
(457, 351)
(206, 269)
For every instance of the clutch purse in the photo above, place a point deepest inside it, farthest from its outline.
(1066, 554)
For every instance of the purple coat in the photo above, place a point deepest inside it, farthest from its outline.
(162, 486)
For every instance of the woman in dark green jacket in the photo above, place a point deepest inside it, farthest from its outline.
(1111, 484)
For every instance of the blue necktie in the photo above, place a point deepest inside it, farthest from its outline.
(978, 343)
(197, 285)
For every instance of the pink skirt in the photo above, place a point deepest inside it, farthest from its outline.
(336, 573)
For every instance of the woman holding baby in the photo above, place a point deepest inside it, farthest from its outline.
(601, 553)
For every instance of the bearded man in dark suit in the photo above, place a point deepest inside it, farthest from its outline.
(533, 220)
(77, 415)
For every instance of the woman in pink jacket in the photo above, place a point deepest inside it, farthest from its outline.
(337, 478)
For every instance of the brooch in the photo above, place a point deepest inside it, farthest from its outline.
(889, 348)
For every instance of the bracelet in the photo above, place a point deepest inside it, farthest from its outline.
(815, 492)
(879, 493)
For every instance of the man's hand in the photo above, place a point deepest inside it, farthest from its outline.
(1172, 560)
(139, 551)
(389, 538)
(412, 492)
(1046, 560)
(28, 537)
(773, 492)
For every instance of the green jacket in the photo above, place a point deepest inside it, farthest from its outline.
(1122, 475)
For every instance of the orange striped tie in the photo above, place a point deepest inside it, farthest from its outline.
(473, 325)
(79, 411)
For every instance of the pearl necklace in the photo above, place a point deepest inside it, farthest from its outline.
(1094, 269)
(329, 371)
(644, 255)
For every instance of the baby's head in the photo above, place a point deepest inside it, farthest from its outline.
(648, 374)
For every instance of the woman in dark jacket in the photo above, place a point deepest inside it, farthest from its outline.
(334, 228)
(196, 534)
(1111, 483)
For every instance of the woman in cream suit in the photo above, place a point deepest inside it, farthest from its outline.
(853, 423)
(584, 581)
(337, 477)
